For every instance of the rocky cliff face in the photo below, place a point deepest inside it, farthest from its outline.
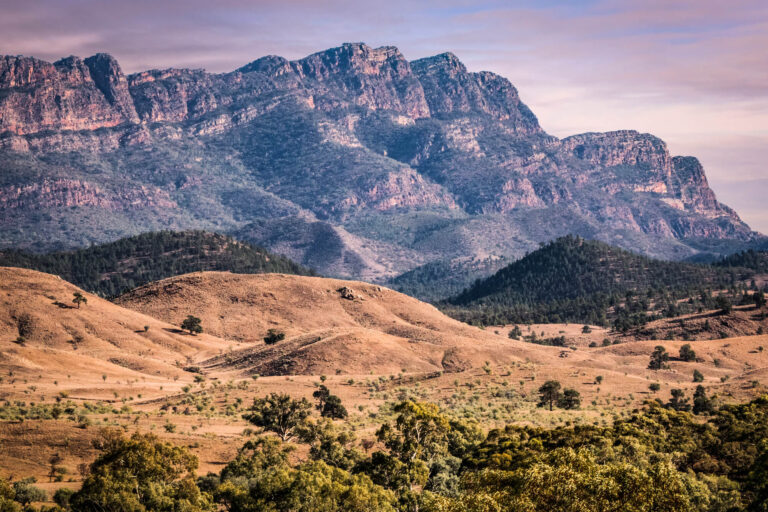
(70, 94)
(401, 163)
(450, 89)
(379, 79)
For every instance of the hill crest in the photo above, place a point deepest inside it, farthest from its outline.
(113, 268)
(572, 279)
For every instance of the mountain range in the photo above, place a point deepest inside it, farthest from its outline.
(353, 161)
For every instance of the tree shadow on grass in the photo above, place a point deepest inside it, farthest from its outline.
(174, 331)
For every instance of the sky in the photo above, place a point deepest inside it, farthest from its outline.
(693, 72)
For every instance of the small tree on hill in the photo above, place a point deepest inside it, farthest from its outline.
(192, 324)
(279, 413)
(571, 399)
(273, 336)
(687, 353)
(27, 493)
(698, 376)
(79, 299)
(678, 401)
(333, 408)
(723, 304)
(659, 358)
(329, 405)
(759, 298)
(321, 394)
(549, 394)
(55, 469)
(654, 386)
(702, 404)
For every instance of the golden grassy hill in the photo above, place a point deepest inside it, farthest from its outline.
(372, 330)
(79, 346)
(361, 343)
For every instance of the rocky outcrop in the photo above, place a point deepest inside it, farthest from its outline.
(625, 147)
(65, 193)
(690, 185)
(628, 161)
(451, 90)
(70, 94)
(109, 79)
(377, 78)
(405, 189)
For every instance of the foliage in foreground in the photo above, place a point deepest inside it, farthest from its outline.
(659, 459)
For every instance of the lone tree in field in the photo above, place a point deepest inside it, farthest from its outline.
(321, 394)
(659, 358)
(192, 324)
(273, 336)
(279, 413)
(549, 394)
(79, 299)
(333, 408)
(687, 353)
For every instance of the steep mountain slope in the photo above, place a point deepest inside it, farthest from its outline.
(116, 267)
(330, 325)
(373, 165)
(577, 280)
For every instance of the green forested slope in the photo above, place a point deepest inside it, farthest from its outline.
(572, 279)
(110, 269)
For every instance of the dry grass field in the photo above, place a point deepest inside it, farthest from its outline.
(127, 364)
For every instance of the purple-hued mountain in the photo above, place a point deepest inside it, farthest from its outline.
(352, 160)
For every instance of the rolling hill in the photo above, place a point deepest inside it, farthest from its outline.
(129, 365)
(92, 350)
(330, 325)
